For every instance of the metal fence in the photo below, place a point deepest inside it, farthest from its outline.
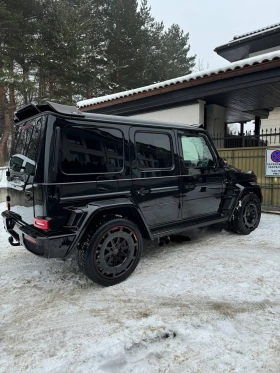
(266, 137)
(253, 159)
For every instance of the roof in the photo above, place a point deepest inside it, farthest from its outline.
(242, 46)
(259, 31)
(244, 66)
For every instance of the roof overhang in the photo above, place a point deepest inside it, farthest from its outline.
(241, 47)
(246, 92)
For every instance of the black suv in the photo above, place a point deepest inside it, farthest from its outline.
(97, 184)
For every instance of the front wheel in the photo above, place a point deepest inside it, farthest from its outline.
(111, 253)
(247, 216)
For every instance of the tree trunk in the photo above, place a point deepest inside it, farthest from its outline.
(25, 79)
(7, 125)
(12, 110)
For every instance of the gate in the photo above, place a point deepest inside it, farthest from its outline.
(247, 152)
(253, 159)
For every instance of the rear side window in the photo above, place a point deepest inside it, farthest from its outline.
(92, 151)
(26, 147)
(153, 150)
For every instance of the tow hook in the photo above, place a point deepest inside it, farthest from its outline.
(164, 240)
(11, 241)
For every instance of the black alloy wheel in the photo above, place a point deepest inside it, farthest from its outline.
(115, 252)
(111, 253)
(247, 216)
(250, 216)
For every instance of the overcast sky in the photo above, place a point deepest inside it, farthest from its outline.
(212, 23)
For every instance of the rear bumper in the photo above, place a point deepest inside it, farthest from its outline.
(39, 243)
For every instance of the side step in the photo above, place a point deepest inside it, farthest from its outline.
(184, 225)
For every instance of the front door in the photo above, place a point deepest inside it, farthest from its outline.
(155, 175)
(202, 178)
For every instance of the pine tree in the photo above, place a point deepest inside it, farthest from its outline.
(124, 44)
(151, 46)
(17, 32)
(175, 53)
(68, 50)
(93, 78)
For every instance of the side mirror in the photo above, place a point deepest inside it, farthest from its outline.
(222, 162)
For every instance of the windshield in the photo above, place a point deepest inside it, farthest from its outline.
(26, 147)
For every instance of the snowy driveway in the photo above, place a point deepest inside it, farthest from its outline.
(209, 305)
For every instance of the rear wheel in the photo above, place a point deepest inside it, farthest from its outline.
(111, 253)
(247, 216)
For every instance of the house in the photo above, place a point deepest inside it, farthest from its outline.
(245, 89)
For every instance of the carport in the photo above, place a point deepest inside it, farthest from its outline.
(240, 92)
(247, 89)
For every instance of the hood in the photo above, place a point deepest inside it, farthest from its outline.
(236, 174)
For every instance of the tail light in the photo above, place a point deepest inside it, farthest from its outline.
(41, 223)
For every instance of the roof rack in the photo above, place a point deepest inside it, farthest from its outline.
(29, 110)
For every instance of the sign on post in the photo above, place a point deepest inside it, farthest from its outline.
(272, 168)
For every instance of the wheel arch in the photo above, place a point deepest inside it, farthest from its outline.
(127, 211)
(253, 189)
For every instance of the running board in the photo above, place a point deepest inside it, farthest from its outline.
(179, 227)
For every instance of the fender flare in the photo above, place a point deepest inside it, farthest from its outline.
(94, 208)
(243, 191)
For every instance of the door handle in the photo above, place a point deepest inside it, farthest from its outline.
(143, 191)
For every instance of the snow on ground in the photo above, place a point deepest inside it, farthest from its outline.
(3, 180)
(208, 305)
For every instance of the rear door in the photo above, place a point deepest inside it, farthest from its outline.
(23, 166)
(155, 175)
(202, 178)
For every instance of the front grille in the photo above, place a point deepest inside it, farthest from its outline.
(33, 247)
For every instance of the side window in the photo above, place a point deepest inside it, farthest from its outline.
(153, 151)
(196, 152)
(26, 148)
(92, 151)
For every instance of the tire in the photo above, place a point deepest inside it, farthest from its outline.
(111, 253)
(247, 215)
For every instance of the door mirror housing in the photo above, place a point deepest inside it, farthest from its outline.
(222, 162)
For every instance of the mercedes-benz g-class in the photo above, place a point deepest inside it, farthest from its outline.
(97, 185)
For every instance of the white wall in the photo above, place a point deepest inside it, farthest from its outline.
(187, 114)
(273, 118)
(215, 119)
(272, 122)
(264, 51)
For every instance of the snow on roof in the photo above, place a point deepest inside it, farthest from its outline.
(186, 78)
(259, 31)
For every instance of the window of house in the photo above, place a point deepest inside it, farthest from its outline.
(153, 150)
(98, 147)
(196, 152)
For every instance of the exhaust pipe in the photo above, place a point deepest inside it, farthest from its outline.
(167, 240)
(163, 241)
(160, 242)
